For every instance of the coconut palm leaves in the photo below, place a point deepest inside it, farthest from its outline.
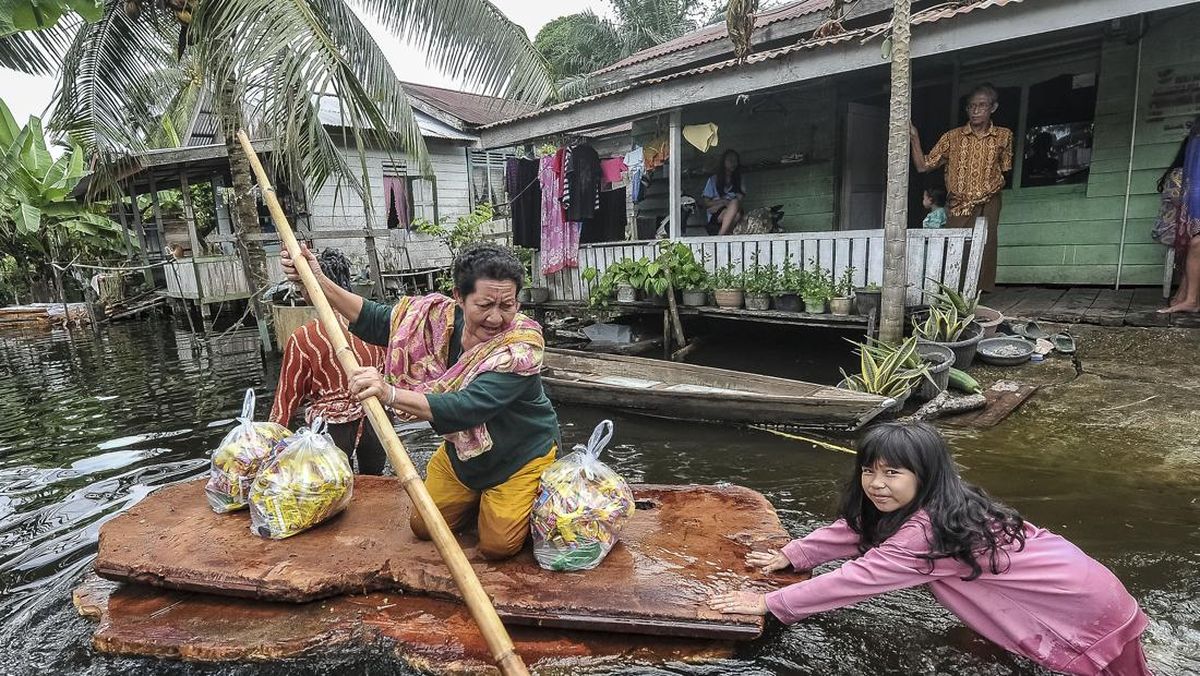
(267, 64)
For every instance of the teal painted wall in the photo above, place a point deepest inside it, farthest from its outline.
(1072, 234)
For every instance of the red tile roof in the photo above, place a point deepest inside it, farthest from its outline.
(473, 109)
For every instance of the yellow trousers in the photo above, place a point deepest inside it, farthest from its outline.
(503, 509)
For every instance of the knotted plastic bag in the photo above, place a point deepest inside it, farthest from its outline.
(581, 508)
(306, 481)
(237, 460)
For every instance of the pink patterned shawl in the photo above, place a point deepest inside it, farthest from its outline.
(419, 351)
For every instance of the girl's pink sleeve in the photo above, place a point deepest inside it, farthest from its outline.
(895, 564)
(832, 542)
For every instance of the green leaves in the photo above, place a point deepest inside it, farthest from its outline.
(943, 324)
(887, 370)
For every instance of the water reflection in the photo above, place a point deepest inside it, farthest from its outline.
(91, 425)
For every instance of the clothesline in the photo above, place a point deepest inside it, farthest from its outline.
(109, 268)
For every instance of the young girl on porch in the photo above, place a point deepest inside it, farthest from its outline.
(907, 518)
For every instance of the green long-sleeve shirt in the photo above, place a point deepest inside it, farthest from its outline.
(515, 408)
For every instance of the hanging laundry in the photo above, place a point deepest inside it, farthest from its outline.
(560, 238)
(634, 159)
(702, 136)
(581, 194)
(609, 223)
(612, 169)
(657, 152)
(523, 185)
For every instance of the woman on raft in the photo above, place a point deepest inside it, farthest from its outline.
(470, 365)
(907, 518)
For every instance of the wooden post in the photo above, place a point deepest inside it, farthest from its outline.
(189, 216)
(895, 223)
(373, 262)
(144, 257)
(675, 174)
(476, 599)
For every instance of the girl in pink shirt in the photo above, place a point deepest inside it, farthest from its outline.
(907, 518)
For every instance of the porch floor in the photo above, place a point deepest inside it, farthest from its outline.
(1088, 305)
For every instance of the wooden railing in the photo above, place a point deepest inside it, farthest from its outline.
(221, 278)
(952, 256)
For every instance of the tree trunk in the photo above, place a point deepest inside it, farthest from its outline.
(895, 224)
(245, 206)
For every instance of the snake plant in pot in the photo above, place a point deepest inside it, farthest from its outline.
(889, 371)
(943, 325)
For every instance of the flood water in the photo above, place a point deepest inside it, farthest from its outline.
(90, 425)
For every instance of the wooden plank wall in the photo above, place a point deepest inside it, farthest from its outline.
(936, 254)
(1072, 234)
(221, 277)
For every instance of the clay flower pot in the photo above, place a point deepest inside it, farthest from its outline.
(729, 298)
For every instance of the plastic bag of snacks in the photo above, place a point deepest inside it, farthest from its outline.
(239, 457)
(580, 509)
(306, 481)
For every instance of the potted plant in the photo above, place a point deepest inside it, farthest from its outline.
(816, 292)
(728, 288)
(622, 280)
(843, 293)
(687, 275)
(943, 325)
(886, 370)
(654, 281)
(867, 299)
(989, 319)
(791, 283)
(760, 283)
(936, 359)
(532, 292)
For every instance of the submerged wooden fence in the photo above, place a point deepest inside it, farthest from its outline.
(952, 256)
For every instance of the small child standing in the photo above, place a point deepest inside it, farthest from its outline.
(935, 203)
(908, 519)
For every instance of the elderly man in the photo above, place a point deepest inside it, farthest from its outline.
(976, 155)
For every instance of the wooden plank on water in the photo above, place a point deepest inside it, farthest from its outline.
(1073, 305)
(370, 547)
(1003, 398)
(1110, 307)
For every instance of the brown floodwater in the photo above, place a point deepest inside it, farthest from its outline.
(89, 425)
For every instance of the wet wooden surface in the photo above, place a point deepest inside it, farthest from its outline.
(432, 635)
(1003, 398)
(1130, 306)
(683, 544)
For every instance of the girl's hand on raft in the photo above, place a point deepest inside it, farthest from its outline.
(739, 603)
(367, 381)
(289, 268)
(768, 561)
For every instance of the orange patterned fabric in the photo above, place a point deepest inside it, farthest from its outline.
(310, 373)
(975, 165)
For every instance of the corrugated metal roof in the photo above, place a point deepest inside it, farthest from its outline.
(474, 109)
(330, 113)
(718, 31)
(935, 14)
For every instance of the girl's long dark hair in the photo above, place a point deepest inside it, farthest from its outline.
(1181, 154)
(968, 525)
(735, 180)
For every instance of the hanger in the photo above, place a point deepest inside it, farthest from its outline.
(768, 104)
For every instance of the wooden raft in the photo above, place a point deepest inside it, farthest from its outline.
(431, 635)
(683, 544)
(1003, 398)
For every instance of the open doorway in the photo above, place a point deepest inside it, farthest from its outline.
(864, 171)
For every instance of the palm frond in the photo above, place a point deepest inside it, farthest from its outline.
(114, 74)
(472, 40)
(38, 52)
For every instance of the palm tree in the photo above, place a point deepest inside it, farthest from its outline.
(895, 224)
(134, 76)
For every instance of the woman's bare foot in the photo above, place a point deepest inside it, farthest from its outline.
(1181, 307)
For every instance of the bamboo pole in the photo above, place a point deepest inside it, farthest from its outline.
(477, 600)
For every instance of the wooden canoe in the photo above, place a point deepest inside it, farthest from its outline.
(699, 393)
